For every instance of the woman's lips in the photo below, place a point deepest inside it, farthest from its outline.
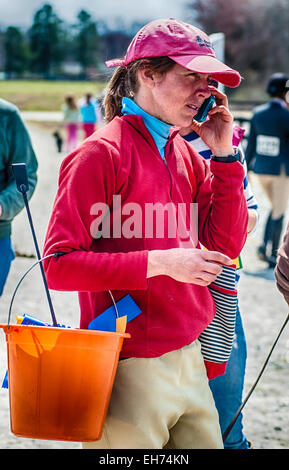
(192, 107)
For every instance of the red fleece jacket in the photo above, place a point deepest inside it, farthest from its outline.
(122, 159)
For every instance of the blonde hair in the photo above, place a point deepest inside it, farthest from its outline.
(124, 82)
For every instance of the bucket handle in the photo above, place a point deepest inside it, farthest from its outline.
(55, 255)
(22, 278)
(114, 304)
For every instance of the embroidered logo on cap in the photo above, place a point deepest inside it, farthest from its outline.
(203, 42)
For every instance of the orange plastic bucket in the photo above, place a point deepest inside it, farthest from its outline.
(60, 380)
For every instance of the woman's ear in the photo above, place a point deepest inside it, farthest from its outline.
(147, 77)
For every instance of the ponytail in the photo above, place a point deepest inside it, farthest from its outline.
(124, 82)
(116, 90)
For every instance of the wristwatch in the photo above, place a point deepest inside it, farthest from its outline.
(237, 156)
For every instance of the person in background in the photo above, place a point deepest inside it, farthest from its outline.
(267, 155)
(58, 140)
(161, 397)
(99, 109)
(90, 113)
(71, 121)
(15, 147)
(227, 389)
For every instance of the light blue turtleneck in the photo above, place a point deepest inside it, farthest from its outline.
(158, 129)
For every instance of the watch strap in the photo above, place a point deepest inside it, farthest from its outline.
(235, 157)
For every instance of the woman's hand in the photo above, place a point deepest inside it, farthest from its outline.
(217, 131)
(189, 265)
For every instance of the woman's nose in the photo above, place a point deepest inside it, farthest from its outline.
(203, 90)
(202, 85)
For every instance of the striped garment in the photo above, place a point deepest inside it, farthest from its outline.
(217, 339)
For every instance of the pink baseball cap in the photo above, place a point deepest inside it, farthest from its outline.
(185, 44)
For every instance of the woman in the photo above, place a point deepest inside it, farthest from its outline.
(161, 396)
(71, 119)
(89, 114)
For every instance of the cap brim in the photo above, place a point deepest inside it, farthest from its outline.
(114, 63)
(210, 65)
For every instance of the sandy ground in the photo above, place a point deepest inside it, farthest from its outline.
(266, 416)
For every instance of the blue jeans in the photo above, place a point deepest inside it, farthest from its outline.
(227, 390)
(6, 257)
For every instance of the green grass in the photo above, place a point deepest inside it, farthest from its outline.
(41, 95)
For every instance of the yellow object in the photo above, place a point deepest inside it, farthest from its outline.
(238, 262)
(121, 323)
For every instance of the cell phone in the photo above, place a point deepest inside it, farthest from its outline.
(204, 109)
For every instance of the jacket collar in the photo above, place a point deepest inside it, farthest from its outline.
(279, 101)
